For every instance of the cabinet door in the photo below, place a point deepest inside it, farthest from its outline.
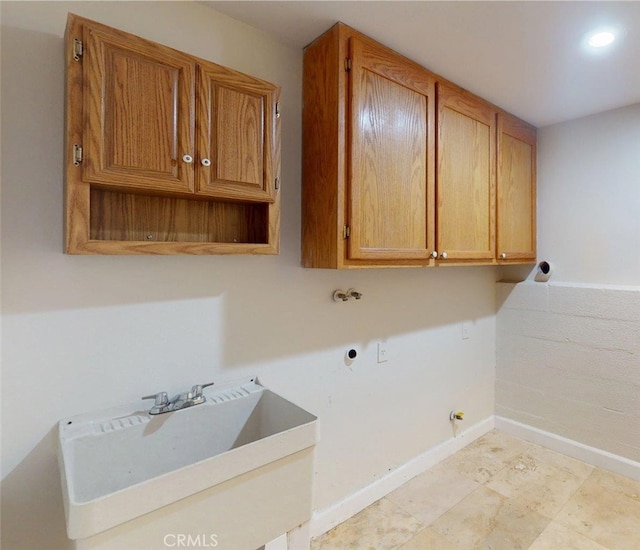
(516, 189)
(236, 135)
(139, 113)
(465, 182)
(391, 152)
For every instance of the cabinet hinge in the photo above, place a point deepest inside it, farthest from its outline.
(347, 64)
(77, 154)
(346, 232)
(278, 109)
(78, 49)
(277, 183)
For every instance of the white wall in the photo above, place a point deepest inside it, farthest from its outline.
(589, 198)
(568, 362)
(568, 351)
(84, 333)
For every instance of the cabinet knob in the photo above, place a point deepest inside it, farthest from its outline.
(205, 162)
(187, 158)
(503, 256)
(443, 255)
(434, 254)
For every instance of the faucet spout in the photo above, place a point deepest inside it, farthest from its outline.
(162, 404)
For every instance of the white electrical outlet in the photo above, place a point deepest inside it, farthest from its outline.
(382, 352)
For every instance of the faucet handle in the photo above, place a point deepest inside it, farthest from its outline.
(161, 398)
(197, 389)
(353, 293)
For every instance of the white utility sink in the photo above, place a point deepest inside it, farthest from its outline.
(236, 469)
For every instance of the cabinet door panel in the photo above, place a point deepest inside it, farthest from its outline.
(236, 134)
(516, 189)
(465, 186)
(139, 107)
(391, 160)
(240, 130)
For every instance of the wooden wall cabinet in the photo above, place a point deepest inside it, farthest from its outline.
(368, 155)
(485, 182)
(166, 153)
(237, 117)
(466, 170)
(516, 190)
(380, 190)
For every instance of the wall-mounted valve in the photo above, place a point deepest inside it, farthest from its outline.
(342, 296)
(453, 416)
(353, 293)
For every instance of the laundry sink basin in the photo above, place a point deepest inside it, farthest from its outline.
(229, 455)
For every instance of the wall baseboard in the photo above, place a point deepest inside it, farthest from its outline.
(327, 519)
(592, 455)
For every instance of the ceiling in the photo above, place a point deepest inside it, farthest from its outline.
(527, 57)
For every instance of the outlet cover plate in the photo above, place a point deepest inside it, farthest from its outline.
(382, 352)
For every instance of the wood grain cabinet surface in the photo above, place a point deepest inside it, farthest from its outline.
(466, 169)
(166, 153)
(391, 177)
(236, 135)
(402, 167)
(516, 190)
(368, 155)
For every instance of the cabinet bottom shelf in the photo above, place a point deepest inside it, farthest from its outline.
(116, 216)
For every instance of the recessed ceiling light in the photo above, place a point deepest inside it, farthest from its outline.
(601, 39)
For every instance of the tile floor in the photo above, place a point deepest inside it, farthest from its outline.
(499, 493)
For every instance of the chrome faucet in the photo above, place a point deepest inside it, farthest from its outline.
(163, 404)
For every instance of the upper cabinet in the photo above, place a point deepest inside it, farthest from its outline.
(391, 166)
(237, 116)
(402, 167)
(466, 169)
(166, 153)
(368, 169)
(138, 102)
(516, 215)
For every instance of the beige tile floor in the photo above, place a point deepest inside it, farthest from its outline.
(499, 493)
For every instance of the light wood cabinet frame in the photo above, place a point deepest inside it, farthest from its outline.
(516, 190)
(466, 177)
(237, 125)
(479, 198)
(136, 194)
(338, 217)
